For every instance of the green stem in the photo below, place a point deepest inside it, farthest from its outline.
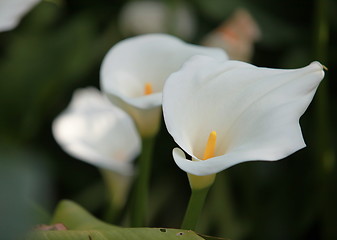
(117, 191)
(194, 208)
(140, 206)
(172, 7)
(324, 148)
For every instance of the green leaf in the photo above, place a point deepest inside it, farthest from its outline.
(83, 226)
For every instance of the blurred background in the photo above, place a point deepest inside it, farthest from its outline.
(58, 47)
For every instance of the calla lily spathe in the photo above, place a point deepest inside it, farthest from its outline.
(93, 130)
(253, 111)
(11, 12)
(145, 60)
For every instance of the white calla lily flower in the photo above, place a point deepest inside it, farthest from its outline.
(11, 12)
(241, 112)
(134, 71)
(93, 130)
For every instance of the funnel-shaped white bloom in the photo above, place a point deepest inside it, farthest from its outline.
(11, 11)
(254, 111)
(93, 130)
(146, 59)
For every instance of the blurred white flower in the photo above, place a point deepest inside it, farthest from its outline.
(93, 130)
(11, 12)
(134, 71)
(224, 113)
(236, 36)
(142, 17)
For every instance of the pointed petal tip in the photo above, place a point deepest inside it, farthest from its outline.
(318, 66)
(321, 66)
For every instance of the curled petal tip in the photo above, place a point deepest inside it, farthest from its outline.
(318, 65)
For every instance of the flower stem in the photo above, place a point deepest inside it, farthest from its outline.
(140, 205)
(325, 149)
(194, 208)
(117, 191)
(324, 127)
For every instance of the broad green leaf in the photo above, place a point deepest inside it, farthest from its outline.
(83, 226)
